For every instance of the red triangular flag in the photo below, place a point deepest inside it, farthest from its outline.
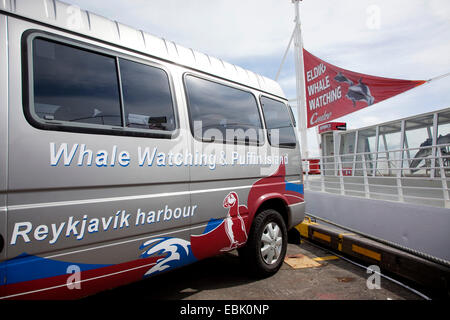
(332, 92)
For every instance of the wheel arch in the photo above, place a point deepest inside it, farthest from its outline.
(276, 202)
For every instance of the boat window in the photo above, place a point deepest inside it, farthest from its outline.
(365, 148)
(444, 125)
(418, 145)
(389, 147)
(443, 139)
(347, 152)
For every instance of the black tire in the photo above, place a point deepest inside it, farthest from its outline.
(258, 264)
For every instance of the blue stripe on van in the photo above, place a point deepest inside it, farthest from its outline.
(2, 274)
(212, 224)
(294, 187)
(28, 267)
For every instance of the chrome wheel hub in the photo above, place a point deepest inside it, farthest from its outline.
(271, 243)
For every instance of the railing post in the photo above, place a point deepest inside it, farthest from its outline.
(307, 174)
(400, 187)
(354, 153)
(377, 145)
(433, 150)
(408, 152)
(336, 150)
(322, 174)
(443, 179)
(366, 179)
(400, 166)
(387, 155)
(341, 177)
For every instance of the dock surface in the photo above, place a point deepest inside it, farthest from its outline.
(315, 274)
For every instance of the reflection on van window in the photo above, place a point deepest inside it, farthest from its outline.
(147, 97)
(278, 122)
(74, 85)
(222, 113)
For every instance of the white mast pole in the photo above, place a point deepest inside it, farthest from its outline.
(300, 81)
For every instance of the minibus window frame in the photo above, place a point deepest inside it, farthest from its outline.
(57, 125)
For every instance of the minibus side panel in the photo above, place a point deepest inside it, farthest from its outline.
(110, 223)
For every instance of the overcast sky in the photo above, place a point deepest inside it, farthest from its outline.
(405, 39)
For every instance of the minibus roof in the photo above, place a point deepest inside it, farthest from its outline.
(61, 15)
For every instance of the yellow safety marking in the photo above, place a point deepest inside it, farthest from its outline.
(308, 220)
(326, 258)
(321, 236)
(341, 236)
(346, 234)
(366, 252)
(303, 227)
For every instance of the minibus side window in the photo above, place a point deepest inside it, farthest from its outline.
(75, 85)
(278, 123)
(146, 96)
(222, 113)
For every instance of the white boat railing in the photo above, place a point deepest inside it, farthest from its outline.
(410, 175)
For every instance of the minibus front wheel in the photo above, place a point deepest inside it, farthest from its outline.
(266, 246)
